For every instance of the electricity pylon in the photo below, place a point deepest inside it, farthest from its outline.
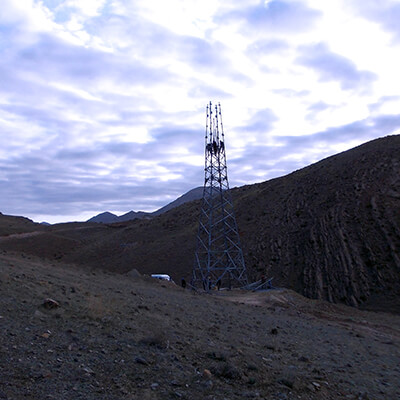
(219, 258)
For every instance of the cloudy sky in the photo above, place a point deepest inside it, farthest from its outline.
(102, 102)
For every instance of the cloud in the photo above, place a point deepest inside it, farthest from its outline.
(385, 12)
(267, 47)
(319, 106)
(87, 132)
(277, 16)
(203, 91)
(261, 122)
(376, 106)
(334, 67)
(286, 92)
(151, 42)
(24, 16)
(293, 152)
(316, 108)
(85, 8)
(102, 101)
(113, 175)
(56, 59)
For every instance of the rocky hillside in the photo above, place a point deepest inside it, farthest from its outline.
(329, 231)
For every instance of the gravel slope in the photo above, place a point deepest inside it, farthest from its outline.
(118, 337)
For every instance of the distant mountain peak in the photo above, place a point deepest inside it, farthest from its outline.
(107, 217)
(104, 217)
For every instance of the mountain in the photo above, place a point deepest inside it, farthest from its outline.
(194, 194)
(132, 215)
(107, 217)
(329, 231)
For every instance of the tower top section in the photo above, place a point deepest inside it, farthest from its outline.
(214, 126)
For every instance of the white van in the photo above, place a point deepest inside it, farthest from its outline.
(163, 277)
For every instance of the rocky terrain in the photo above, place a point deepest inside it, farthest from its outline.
(74, 333)
(329, 231)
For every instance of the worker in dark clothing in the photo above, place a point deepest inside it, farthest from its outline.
(215, 147)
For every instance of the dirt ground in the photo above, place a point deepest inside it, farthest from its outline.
(110, 336)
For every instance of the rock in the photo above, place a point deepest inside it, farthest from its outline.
(88, 370)
(50, 304)
(316, 385)
(207, 374)
(311, 387)
(140, 360)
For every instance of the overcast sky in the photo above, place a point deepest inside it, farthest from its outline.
(102, 102)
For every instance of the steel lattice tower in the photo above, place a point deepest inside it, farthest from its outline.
(219, 258)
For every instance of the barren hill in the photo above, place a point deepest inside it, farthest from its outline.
(107, 336)
(329, 231)
(10, 225)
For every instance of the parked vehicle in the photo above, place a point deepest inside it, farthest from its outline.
(163, 277)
